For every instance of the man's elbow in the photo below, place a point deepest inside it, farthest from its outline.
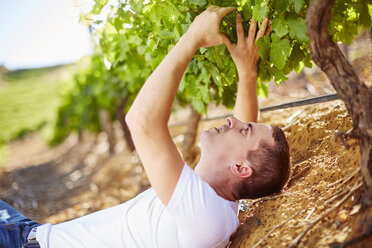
(129, 119)
(136, 123)
(132, 121)
(141, 122)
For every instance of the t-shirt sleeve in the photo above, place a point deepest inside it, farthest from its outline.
(203, 218)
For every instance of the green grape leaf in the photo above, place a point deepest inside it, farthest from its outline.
(297, 30)
(205, 76)
(151, 45)
(280, 6)
(247, 12)
(298, 4)
(217, 56)
(279, 52)
(279, 76)
(297, 54)
(259, 11)
(199, 106)
(182, 84)
(198, 2)
(203, 50)
(134, 40)
(156, 59)
(123, 17)
(264, 45)
(169, 12)
(194, 67)
(307, 60)
(118, 24)
(364, 10)
(98, 7)
(300, 65)
(209, 55)
(204, 93)
(264, 74)
(216, 76)
(166, 34)
(136, 5)
(185, 27)
(188, 18)
(280, 27)
(124, 49)
(262, 90)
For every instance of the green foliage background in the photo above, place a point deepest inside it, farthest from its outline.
(28, 101)
(138, 34)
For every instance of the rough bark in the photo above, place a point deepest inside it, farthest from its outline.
(188, 146)
(355, 94)
(120, 116)
(105, 120)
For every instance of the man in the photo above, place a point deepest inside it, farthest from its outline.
(185, 208)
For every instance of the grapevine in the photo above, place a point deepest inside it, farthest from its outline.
(138, 34)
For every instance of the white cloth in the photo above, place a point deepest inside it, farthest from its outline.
(195, 217)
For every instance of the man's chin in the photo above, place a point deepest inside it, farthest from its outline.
(203, 136)
(205, 139)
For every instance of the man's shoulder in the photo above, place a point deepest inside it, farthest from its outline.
(203, 218)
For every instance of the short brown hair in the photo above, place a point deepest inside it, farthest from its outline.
(270, 166)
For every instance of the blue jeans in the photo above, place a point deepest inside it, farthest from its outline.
(14, 227)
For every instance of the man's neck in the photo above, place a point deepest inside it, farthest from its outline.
(221, 185)
(229, 196)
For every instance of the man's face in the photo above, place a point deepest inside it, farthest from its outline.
(231, 142)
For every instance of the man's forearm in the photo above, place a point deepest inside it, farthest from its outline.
(246, 104)
(153, 104)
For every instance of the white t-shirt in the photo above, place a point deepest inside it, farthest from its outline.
(195, 217)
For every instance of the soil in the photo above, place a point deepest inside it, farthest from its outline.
(323, 194)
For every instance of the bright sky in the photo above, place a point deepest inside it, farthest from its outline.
(37, 33)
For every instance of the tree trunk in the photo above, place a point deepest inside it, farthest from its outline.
(120, 116)
(189, 149)
(105, 120)
(345, 49)
(356, 95)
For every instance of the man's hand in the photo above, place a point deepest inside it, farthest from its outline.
(245, 53)
(245, 56)
(205, 28)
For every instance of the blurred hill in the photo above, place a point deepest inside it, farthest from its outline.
(28, 99)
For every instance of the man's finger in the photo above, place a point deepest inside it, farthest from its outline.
(252, 31)
(224, 11)
(264, 25)
(230, 46)
(262, 31)
(239, 27)
(268, 30)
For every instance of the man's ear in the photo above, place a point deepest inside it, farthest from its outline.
(242, 169)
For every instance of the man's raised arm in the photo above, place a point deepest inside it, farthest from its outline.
(148, 117)
(245, 56)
